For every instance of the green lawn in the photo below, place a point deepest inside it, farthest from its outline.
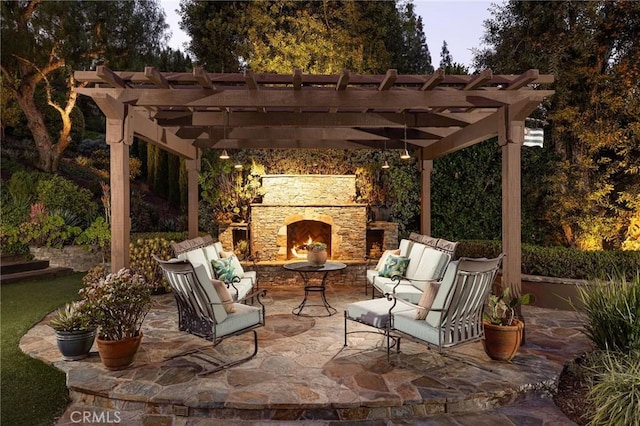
(33, 393)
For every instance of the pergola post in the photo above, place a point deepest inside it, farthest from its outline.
(119, 138)
(510, 138)
(425, 197)
(193, 170)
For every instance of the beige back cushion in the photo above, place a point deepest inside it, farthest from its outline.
(405, 246)
(198, 257)
(218, 310)
(431, 266)
(415, 254)
(433, 318)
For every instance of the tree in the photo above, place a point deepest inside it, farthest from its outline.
(414, 56)
(49, 39)
(594, 133)
(316, 37)
(446, 60)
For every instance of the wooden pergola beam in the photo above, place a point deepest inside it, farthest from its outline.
(230, 143)
(467, 136)
(389, 79)
(313, 100)
(154, 76)
(203, 78)
(325, 119)
(109, 77)
(433, 80)
(149, 131)
(328, 80)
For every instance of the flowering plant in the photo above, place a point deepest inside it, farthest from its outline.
(119, 303)
(316, 246)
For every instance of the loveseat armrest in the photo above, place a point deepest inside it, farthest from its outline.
(413, 280)
(254, 259)
(257, 294)
(395, 299)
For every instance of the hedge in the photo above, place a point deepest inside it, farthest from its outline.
(561, 262)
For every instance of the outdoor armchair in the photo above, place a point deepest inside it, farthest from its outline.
(449, 314)
(203, 313)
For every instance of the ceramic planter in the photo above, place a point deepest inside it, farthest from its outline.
(317, 258)
(501, 342)
(118, 354)
(75, 345)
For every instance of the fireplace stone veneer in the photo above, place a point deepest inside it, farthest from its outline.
(294, 199)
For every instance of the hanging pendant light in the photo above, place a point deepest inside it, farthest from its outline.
(386, 164)
(225, 155)
(238, 166)
(405, 155)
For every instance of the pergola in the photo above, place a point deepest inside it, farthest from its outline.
(185, 113)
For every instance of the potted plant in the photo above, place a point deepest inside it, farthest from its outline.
(75, 331)
(119, 303)
(502, 330)
(317, 253)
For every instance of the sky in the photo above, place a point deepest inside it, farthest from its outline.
(458, 22)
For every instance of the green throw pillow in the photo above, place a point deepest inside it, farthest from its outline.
(395, 265)
(224, 269)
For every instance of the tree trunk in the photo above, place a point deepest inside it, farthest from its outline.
(35, 122)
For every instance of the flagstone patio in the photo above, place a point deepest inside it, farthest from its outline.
(303, 372)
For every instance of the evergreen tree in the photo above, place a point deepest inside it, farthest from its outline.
(446, 60)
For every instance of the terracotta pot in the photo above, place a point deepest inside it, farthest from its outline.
(317, 258)
(118, 354)
(501, 342)
(75, 345)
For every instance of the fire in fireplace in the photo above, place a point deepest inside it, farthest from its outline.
(301, 233)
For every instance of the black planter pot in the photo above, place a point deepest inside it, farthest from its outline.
(75, 345)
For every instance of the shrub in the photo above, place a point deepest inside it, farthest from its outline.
(615, 393)
(142, 262)
(60, 193)
(144, 216)
(613, 313)
(97, 236)
(119, 303)
(48, 230)
(561, 261)
(10, 242)
(95, 274)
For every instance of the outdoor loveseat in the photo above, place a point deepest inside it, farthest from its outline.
(427, 261)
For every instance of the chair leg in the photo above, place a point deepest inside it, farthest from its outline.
(345, 328)
(236, 362)
(196, 352)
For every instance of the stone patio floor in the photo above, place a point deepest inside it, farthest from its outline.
(304, 375)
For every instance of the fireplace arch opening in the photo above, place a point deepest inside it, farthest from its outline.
(303, 232)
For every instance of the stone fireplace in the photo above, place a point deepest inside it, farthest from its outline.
(297, 209)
